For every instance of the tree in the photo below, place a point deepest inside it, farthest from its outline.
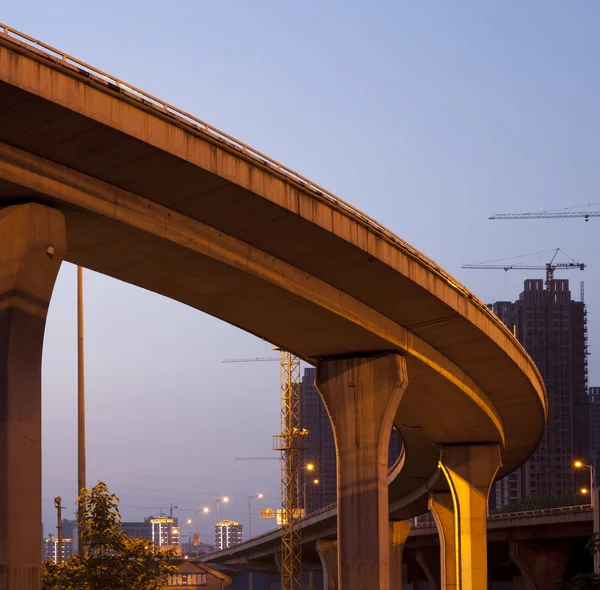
(587, 581)
(114, 561)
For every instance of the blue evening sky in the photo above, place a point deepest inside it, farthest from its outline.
(430, 116)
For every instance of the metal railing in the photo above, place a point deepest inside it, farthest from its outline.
(519, 514)
(541, 512)
(198, 125)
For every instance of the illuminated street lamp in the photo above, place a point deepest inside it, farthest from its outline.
(205, 510)
(593, 491)
(314, 482)
(250, 498)
(224, 499)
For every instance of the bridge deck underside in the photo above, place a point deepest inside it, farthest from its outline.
(71, 122)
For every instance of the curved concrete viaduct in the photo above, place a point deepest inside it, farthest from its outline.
(104, 176)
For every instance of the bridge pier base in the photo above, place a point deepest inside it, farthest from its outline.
(328, 553)
(32, 246)
(362, 395)
(399, 531)
(429, 560)
(461, 514)
(541, 563)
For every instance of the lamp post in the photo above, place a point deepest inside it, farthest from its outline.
(224, 499)
(205, 510)
(593, 490)
(250, 498)
(315, 482)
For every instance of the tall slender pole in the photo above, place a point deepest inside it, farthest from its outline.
(250, 517)
(595, 512)
(80, 403)
(304, 498)
(59, 541)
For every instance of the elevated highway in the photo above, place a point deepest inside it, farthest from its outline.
(103, 175)
(536, 546)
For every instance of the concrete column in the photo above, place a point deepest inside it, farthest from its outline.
(429, 560)
(328, 553)
(362, 395)
(461, 514)
(542, 563)
(32, 246)
(398, 533)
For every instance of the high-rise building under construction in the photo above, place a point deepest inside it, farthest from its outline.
(551, 325)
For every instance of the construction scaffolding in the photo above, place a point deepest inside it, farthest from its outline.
(290, 443)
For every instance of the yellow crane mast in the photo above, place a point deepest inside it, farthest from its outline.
(289, 442)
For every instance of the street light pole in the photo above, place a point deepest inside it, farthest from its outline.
(80, 406)
(594, 504)
(197, 534)
(223, 499)
(250, 498)
(315, 482)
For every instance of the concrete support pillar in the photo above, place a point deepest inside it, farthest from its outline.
(461, 514)
(398, 533)
(541, 564)
(32, 246)
(429, 560)
(328, 553)
(362, 395)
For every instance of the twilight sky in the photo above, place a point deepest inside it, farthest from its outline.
(429, 116)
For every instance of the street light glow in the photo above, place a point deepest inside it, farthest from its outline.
(315, 481)
(310, 467)
(225, 499)
(584, 490)
(205, 510)
(578, 464)
(189, 521)
(259, 496)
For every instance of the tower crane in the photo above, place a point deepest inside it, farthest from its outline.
(289, 442)
(549, 267)
(556, 214)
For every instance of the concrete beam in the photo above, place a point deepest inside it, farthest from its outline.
(32, 247)
(461, 514)
(362, 395)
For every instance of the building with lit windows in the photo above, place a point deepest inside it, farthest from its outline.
(551, 326)
(227, 534)
(50, 549)
(165, 532)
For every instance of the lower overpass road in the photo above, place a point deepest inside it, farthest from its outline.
(532, 548)
(103, 175)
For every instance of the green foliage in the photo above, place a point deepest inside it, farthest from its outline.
(114, 561)
(587, 581)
